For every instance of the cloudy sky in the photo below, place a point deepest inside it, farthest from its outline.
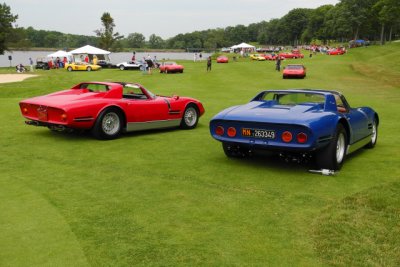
(165, 18)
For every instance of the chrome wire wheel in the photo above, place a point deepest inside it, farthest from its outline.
(111, 123)
(190, 116)
(340, 148)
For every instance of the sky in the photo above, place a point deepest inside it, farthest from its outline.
(165, 18)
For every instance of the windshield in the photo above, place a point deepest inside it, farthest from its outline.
(294, 98)
(294, 67)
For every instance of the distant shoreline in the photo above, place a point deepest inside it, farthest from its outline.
(123, 50)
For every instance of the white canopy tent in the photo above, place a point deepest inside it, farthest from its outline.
(60, 54)
(244, 46)
(80, 53)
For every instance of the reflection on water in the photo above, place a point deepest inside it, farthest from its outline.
(22, 57)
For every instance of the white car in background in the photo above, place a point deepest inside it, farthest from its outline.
(129, 65)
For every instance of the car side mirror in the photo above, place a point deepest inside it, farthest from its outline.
(176, 97)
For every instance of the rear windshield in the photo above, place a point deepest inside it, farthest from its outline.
(294, 98)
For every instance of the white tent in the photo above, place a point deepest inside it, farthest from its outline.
(80, 53)
(243, 46)
(89, 50)
(60, 54)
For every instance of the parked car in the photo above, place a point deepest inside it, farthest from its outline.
(336, 52)
(294, 71)
(258, 57)
(105, 64)
(222, 59)
(298, 125)
(170, 67)
(42, 64)
(130, 65)
(81, 66)
(108, 109)
(290, 55)
(270, 56)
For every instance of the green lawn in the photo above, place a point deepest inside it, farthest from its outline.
(172, 198)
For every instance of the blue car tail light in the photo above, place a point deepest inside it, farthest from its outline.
(219, 130)
(231, 132)
(286, 136)
(302, 138)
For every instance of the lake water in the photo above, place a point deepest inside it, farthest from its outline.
(23, 56)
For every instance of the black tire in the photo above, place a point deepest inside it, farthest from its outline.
(333, 155)
(374, 136)
(234, 151)
(108, 125)
(69, 68)
(122, 67)
(181, 71)
(190, 117)
(89, 69)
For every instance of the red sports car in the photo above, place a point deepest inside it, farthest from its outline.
(109, 108)
(294, 71)
(291, 55)
(270, 57)
(336, 52)
(169, 67)
(222, 59)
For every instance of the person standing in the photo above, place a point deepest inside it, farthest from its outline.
(134, 56)
(31, 64)
(278, 63)
(209, 63)
(94, 60)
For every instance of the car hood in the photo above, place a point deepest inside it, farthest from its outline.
(259, 111)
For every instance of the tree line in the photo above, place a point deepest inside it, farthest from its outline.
(374, 20)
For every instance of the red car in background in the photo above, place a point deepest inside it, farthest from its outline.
(336, 52)
(222, 59)
(290, 55)
(171, 67)
(294, 71)
(270, 57)
(109, 108)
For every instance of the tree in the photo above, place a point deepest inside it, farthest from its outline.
(136, 40)
(6, 28)
(359, 13)
(106, 34)
(296, 22)
(156, 41)
(388, 12)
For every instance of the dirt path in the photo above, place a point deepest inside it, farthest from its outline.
(10, 78)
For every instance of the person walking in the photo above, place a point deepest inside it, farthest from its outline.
(209, 64)
(31, 64)
(278, 64)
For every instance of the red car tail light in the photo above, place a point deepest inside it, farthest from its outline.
(231, 132)
(301, 138)
(64, 117)
(219, 130)
(287, 136)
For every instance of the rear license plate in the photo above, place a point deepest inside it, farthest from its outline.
(42, 114)
(258, 133)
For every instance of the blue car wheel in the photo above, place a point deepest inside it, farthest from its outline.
(333, 155)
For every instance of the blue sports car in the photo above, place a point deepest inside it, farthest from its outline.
(298, 124)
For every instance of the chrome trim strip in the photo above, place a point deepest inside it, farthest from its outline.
(148, 125)
(83, 119)
(359, 144)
